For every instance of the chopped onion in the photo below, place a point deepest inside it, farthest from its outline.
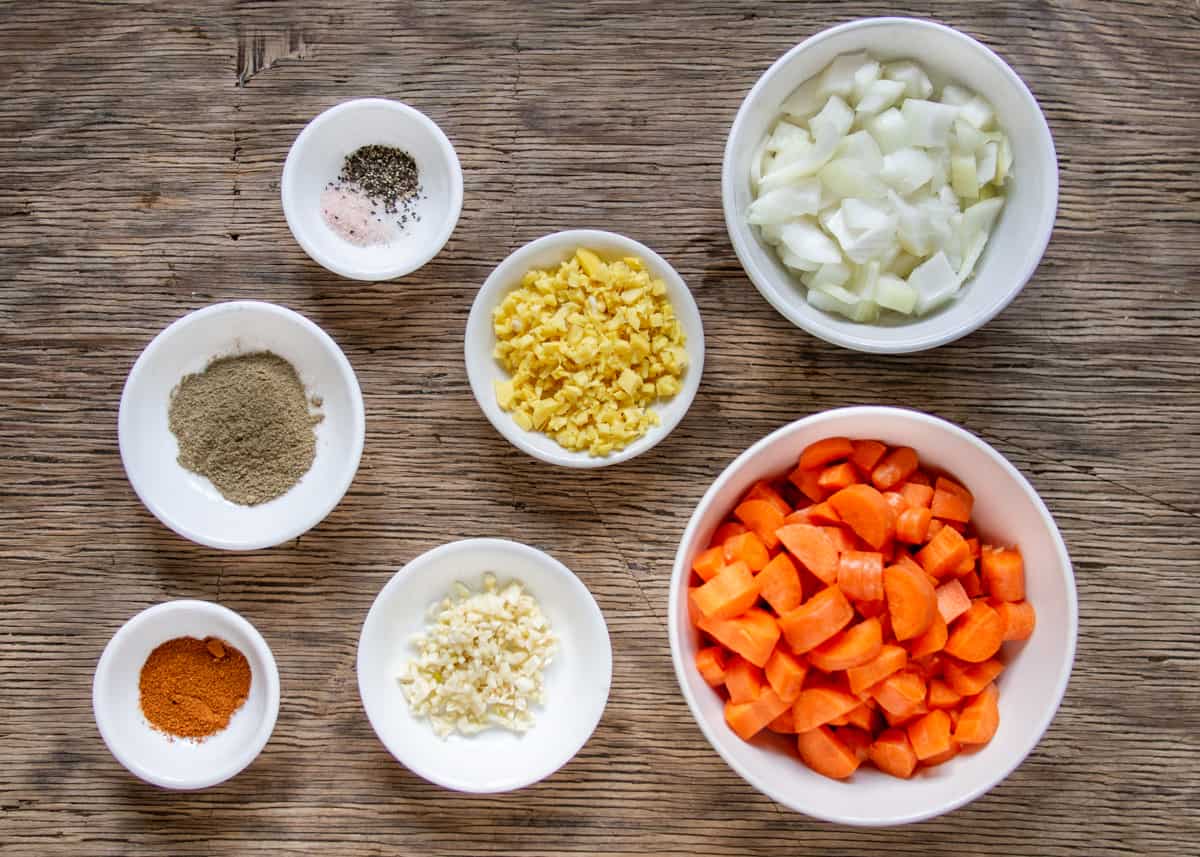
(879, 195)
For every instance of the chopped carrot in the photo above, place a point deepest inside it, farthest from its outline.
(819, 704)
(973, 544)
(866, 454)
(827, 451)
(747, 719)
(929, 666)
(942, 695)
(762, 518)
(1003, 573)
(935, 527)
(890, 659)
(933, 640)
(893, 720)
(893, 754)
(747, 548)
(823, 515)
(731, 593)
(827, 754)
(785, 673)
(779, 584)
(1018, 619)
(896, 502)
(930, 735)
(901, 692)
(806, 482)
(752, 635)
(708, 562)
(952, 600)
(970, 679)
(743, 680)
(711, 661)
(877, 609)
(971, 585)
(920, 477)
(725, 532)
(783, 723)
(812, 547)
(949, 754)
(912, 525)
(857, 739)
(863, 717)
(944, 552)
(977, 634)
(918, 496)
(842, 539)
(853, 647)
(764, 490)
(911, 600)
(980, 718)
(860, 575)
(838, 476)
(816, 620)
(866, 512)
(897, 466)
(951, 501)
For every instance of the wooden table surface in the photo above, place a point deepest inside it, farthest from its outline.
(140, 154)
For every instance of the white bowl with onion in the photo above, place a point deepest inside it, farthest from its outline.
(993, 249)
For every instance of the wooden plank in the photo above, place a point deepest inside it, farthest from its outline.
(142, 147)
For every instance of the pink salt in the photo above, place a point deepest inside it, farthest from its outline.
(349, 213)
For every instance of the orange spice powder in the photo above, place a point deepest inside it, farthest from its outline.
(190, 688)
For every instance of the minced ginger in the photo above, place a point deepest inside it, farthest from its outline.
(589, 347)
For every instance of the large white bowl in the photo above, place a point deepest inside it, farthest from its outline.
(179, 763)
(1007, 511)
(576, 682)
(549, 251)
(1019, 238)
(188, 503)
(315, 159)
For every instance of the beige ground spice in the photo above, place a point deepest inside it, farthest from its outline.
(245, 424)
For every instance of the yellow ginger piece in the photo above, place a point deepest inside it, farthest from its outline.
(588, 348)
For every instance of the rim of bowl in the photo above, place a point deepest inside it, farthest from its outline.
(498, 284)
(676, 617)
(453, 168)
(414, 566)
(262, 651)
(740, 239)
(358, 417)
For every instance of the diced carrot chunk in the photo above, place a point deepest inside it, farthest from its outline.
(918, 496)
(930, 642)
(970, 679)
(912, 525)
(819, 704)
(853, 647)
(747, 719)
(911, 600)
(825, 452)
(951, 501)
(725, 532)
(897, 466)
(952, 600)
(785, 673)
(930, 735)
(764, 490)
(816, 620)
(743, 680)
(1018, 619)
(900, 693)
(711, 662)
(942, 695)
(866, 512)
(1003, 573)
(867, 454)
(806, 482)
(971, 585)
(858, 740)
(779, 584)
(890, 659)
(860, 575)
(708, 562)
(812, 547)
(944, 553)
(827, 754)
(977, 634)
(838, 476)
(752, 635)
(980, 718)
(949, 754)
(747, 548)
(731, 593)
(893, 754)
(823, 515)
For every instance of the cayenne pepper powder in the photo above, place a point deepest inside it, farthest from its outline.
(190, 687)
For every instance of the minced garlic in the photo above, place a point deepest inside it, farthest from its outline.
(480, 661)
(589, 347)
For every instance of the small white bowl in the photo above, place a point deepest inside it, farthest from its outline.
(1019, 238)
(180, 763)
(1007, 511)
(188, 503)
(315, 159)
(548, 252)
(577, 680)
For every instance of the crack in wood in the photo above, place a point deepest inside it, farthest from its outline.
(260, 52)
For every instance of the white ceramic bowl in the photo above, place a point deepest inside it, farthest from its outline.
(315, 159)
(1019, 238)
(548, 252)
(577, 680)
(179, 763)
(1007, 511)
(188, 503)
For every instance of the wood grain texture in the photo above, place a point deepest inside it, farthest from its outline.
(141, 147)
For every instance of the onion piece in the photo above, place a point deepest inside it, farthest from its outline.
(889, 129)
(929, 123)
(838, 77)
(916, 82)
(878, 97)
(806, 241)
(935, 282)
(786, 203)
(907, 169)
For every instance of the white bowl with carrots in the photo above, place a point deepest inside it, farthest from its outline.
(872, 616)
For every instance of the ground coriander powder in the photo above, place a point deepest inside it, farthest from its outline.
(245, 423)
